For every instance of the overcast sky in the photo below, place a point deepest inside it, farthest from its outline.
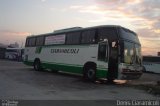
(20, 18)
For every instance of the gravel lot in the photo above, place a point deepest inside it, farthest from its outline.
(18, 81)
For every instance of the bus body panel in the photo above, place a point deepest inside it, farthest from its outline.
(73, 57)
(73, 60)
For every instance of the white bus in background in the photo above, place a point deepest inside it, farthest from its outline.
(14, 54)
(151, 64)
(108, 51)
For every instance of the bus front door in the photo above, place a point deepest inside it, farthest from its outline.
(113, 61)
(103, 57)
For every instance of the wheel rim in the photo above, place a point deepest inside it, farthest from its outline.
(36, 65)
(90, 73)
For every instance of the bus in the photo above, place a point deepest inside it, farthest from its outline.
(14, 54)
(106, 51)
(151, 64)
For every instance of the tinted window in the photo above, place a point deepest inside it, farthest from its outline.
(73, 38)
(107, 33)
(88, 37)
(102, 52)
(39, 41)
(30, 42)
(127, 34)
(129, 52)
(27, 42)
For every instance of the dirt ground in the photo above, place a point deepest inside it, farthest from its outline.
(19, 81)
(146, 78)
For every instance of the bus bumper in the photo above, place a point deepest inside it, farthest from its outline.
(129, 72)
(131, 75)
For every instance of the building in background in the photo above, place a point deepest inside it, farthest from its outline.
(2, 51)
(14, 45)
(14, 54)
(151, 63)
(11, 52)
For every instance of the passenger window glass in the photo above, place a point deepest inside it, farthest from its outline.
(27, 42)
(73, 38)
(109, 33)
(40, 41)
(32, 41)
(102, 51)
(88, 37)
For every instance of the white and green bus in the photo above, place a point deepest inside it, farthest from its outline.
(107, 51)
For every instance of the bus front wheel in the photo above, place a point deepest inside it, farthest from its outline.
(89, 73)
(37, 65)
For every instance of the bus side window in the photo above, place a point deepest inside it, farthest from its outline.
(40, 41)
(32, 42)
(103, 52)
(107, 33)
(88, 37)
(73, 38)
(27, 42)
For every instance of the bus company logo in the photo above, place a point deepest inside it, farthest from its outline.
(71, 51)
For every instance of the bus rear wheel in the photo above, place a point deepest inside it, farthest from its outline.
(37, 65)
(89, 73)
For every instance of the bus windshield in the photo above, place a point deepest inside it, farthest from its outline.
(132, 53)
(128, 35)
(138, 54)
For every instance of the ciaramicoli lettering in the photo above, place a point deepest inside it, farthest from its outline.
(72, 51)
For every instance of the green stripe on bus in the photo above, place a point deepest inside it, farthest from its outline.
(62, 64)
(101, 73)
(29, 63)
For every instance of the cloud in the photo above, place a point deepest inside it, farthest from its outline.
(76, 7)
(43, 0)
(13, 33)
(148, 11)
(143, 15)
(9, 36)
(150, 46)
(150, 41)
(87, 9)
(149, 33)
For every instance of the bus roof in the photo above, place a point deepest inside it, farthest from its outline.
(66, 30)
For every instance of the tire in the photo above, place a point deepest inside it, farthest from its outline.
(37, 65)
(54, 71)
(110, 81)
(89, 73)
